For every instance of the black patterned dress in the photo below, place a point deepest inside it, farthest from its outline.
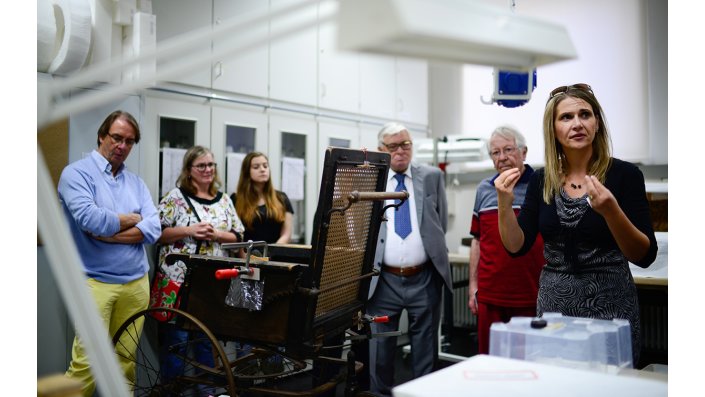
(586, 280)
(586, 275)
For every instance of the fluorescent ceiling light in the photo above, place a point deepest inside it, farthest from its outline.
(457, 149)
(462, 31)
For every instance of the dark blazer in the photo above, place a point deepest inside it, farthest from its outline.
(432, 213)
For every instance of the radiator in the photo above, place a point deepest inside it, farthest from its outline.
(654, 326)
(462, 316)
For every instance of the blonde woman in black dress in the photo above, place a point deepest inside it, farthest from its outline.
(591, 210)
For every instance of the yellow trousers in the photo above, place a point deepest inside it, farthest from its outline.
(116, 303)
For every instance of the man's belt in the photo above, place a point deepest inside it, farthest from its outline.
(407, 271)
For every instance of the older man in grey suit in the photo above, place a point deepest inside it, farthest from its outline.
(413, 258)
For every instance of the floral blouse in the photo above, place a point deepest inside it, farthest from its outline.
(174, 211)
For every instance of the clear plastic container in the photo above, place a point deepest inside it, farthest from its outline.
(583, 343)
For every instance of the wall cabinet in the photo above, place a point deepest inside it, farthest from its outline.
(177, 17)
(284, 129)
(158, 107)
(338, 134)
(412, 90)
(339, 74)
(303, 68)
(377, 86)
(228, 121)
(394, 88)
(293, 71)
(244, 71)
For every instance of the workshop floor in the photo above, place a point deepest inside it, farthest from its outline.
(460, 342)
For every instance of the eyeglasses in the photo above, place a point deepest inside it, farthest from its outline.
(507, 151)
(565, 88)
(118, 140)
(406, 145)
(202, 167)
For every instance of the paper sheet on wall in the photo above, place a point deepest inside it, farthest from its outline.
(293, 178)
(172, 160)
(233, 165)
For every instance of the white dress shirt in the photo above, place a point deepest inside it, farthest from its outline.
(400, 252)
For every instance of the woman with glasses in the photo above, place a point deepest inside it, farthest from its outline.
(266, 213)
(591, 210)
(196, 218)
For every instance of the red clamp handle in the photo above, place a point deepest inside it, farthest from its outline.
(223, 274)
(380, 319)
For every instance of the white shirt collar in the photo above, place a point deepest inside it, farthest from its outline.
(392, 173)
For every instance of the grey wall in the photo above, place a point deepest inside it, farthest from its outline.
(54, 330)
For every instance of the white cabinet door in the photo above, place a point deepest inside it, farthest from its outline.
(368, 137)
(339, 79)
(244, 118)
(246, 70)
(412, 90)
(337, 134)
(158, 106)
(304, 128)
(293, 71)
(177, 17)
(377, 86)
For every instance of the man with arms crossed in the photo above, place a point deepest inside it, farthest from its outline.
(111, 216)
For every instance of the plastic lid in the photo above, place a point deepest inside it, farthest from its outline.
(538, 323)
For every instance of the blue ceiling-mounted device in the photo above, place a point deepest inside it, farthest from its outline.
(513, 88)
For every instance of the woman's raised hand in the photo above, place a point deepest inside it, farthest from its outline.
(599, 197)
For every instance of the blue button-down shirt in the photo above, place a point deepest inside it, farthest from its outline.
(92, 199)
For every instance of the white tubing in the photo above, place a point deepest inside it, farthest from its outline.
(46, 35)
(73, 27)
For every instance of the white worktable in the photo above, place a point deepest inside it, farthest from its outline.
(656, 274)
(489, 376)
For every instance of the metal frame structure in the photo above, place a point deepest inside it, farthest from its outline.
(305, 300)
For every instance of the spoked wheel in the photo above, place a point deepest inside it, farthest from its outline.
(258, 374)
(197, 365)
(265, 363)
